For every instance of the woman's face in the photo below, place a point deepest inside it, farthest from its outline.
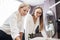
(23, 11)
(38, 12)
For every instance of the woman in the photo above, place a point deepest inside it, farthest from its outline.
(14, 24)
(33, 21)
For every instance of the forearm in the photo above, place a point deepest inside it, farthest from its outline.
(21, 34)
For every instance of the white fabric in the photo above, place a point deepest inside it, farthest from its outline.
(7, 7)
(31, 27)
(42, 38)
(13, 25)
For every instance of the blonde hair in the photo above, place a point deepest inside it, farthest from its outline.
(21, 6)
(24, 5)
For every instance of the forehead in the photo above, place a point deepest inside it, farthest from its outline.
(25, 8)
(38, 10)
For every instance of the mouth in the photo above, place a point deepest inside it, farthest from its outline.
(38, 16)
(24, 14)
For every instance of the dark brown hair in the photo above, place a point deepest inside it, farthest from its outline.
(40, 18)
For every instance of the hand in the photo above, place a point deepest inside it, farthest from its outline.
(21, 34)
(17, 38)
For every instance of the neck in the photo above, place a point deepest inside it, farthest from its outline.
(35, 17)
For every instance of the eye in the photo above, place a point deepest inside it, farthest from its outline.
(27, 11)
(24, 10)
(39, 12)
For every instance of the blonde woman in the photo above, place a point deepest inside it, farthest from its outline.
(13, 26)
(32, 23)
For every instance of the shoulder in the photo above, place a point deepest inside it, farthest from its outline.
(29, 16)
(10, 18)
(14, 15)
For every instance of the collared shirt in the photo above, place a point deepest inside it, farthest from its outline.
(14, 25)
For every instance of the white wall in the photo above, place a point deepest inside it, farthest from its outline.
(7, 7)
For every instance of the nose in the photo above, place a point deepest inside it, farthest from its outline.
(40, 14)
(26, 12)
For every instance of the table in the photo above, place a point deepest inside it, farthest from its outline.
(41, 38)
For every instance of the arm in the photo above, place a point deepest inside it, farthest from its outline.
(44, 33)
(21, 35)
(29, 26)
(13, 27)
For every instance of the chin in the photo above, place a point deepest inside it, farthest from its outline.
(38, 16)
(24, 15)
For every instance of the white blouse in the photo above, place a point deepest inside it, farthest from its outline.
(31, 27)
(14, 25)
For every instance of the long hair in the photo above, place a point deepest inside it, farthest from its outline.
(41, 22)
(21, 6)
(40, 18)
(24, 5)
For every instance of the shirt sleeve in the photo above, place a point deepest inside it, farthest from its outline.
(22, 29)
(28, 26)
(44, 33)
(13, 27)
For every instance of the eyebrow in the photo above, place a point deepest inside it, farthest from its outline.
(39, 12)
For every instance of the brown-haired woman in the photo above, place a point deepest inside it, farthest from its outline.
(35, 20)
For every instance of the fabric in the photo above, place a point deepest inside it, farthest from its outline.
(4, 36)
(38, 34)
(13, 25)
(23, 37)
(31, 27)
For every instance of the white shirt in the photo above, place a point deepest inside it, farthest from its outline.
(13, 25)
(31, 27)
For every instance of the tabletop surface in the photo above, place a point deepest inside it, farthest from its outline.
(41, 38)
